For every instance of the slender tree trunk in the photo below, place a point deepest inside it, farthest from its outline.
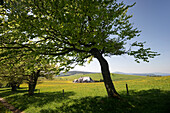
(14, 87)
(33, 82)
(111, 91)
(31, 89)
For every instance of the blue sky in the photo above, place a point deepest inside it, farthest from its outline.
(152, 17)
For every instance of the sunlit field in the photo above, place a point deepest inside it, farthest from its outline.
(147, 94)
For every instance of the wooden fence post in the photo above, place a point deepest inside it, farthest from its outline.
(127, 89)
(63, 92)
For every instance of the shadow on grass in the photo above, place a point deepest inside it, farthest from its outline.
(3, 109)
(146, 101)
(38, 99)
(5, 92)
(5, 89)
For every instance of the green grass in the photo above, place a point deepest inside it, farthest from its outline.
(147, 95)
(98, 76)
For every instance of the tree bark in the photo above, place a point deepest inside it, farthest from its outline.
(14, 87)
(111, 91)
(31, 89)
(33, 82)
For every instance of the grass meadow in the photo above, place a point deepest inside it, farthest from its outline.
(147, 95)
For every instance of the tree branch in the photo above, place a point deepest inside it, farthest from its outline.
(56, 54)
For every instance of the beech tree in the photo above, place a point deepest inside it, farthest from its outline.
(12, 75)
(36, 70)
(71, 32)
(16, 69)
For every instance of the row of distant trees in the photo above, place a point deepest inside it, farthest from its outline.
(153, 75)
(67, 33)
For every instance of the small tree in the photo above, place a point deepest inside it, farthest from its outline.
(12, 74)
(40, 71)
(69, 32)
(28, 68)
(35, 67)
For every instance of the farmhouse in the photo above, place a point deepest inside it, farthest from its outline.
(83, 80)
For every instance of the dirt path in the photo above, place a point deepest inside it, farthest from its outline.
(9, 106)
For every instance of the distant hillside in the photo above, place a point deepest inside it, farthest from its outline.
(145, 74)
(98, 76)
(75, 73)
(138, 74)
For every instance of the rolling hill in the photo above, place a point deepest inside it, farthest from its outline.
(98, 76)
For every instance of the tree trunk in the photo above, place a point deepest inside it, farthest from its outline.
(111, 91)
(14, 87)
(31, 89)
(33, 82)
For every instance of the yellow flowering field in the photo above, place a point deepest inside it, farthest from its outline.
(98, 88)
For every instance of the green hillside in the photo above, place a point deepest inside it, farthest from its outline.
(98, 76)
(74, 73)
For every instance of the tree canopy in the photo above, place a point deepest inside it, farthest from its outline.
(69, 32)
